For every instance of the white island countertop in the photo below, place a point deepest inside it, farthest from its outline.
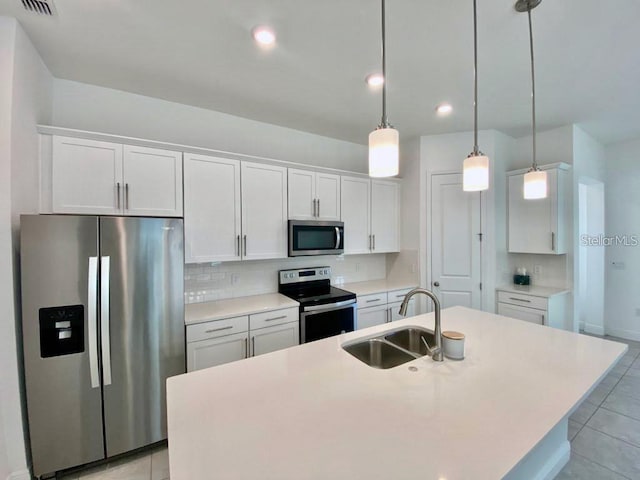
(235, 307)
(316, 412)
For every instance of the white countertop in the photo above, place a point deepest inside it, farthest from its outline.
(234, 307)
(535, 290)
(316, 412)
(377, 286)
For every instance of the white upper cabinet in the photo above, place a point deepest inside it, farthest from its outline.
(103, 178)
(355, 213)
(211, 209)
(264, 211)
(538, 226)
(313, 195)
(385, 226)
(152, 182)
(370, 212)
(86, 176)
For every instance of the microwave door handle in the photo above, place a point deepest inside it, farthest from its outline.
(338, 237)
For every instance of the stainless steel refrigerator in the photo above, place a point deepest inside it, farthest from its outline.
(102, 329)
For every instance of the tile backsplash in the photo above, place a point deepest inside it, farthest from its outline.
(206, 282)
(552, 269)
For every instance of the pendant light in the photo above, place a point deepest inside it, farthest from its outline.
(475, 170)
(383, 141)
(535, 180)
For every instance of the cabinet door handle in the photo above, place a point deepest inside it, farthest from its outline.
(519, 299)
(275, 318)
(245, 245)
(253, 346)
(318, 203)
(126, 196)
(118, 195)
(238, 245)
(543, 319)
(553, 241)
(314, 208)
(389, 315)
(369, 242)
(218, 329)
(246, 347)
(374, 241)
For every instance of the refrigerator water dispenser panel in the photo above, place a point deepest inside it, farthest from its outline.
(61, 330)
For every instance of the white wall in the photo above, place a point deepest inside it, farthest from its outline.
(89, 107)
(622, 199)
(25, 100)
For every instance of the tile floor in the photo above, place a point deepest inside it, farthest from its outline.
(605, 430)
(604, 433)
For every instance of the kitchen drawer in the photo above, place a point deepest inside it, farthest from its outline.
(372, 300)
(532, 315)
(523, 300)
(397, 295)
(274, 317)
(217, 328)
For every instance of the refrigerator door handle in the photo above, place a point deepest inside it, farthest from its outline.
(92, 301)
(105, 320)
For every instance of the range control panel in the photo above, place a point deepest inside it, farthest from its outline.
(305, 275)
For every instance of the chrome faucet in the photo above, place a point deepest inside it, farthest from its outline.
(436, 352)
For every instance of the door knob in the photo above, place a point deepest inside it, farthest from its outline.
(436, 284)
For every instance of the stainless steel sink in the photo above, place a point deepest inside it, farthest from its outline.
(391, 348)
(409, 339)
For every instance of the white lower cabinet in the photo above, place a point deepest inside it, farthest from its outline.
(230, 339)
(551, 311)
(372, 316)
(217, 351)
(383, 307)
(278, 337)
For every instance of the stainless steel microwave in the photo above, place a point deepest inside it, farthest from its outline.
(311, 237)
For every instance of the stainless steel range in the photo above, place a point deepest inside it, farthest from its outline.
(324, 310)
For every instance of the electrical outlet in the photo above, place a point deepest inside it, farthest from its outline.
(637, 312)
(537, 269)
(413, 268)
(235, 278)
(357, 267)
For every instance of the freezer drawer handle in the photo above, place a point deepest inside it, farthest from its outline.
(105, 320)
(92, 300)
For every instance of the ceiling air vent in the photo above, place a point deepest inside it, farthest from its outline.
(41, 7)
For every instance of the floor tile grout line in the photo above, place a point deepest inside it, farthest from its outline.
(615, 438)
(621, 414)
(603, 466)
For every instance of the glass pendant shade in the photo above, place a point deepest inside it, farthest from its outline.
(475, 173)
(383, 152)
(535, 184)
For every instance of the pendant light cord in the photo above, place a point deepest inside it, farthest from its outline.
(385, 121)
(475, 80)
(533, 91)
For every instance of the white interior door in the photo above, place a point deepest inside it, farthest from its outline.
(455, 242)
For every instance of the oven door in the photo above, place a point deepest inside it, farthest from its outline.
(317, 323)
(308, 237)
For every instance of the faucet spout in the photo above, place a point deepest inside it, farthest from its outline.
(438, 354)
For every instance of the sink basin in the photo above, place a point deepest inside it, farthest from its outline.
(409, 339)
(378, 353)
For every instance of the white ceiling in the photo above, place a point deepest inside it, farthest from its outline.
(200, 52)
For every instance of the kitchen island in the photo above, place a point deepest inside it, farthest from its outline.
(316, 412)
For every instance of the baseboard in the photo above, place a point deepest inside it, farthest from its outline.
(593, 329)
(20, 475)
(622, 333)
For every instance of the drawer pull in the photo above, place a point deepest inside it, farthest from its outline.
(374, 300)
(275, 318)
(519, 299)
(219, 329)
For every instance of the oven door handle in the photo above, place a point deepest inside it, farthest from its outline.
(338, 238)
(330, 306)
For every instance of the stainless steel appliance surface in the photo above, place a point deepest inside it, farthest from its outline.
(102, 330)
(324, 310)
(313, 237)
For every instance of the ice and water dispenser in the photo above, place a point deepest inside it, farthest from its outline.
(61, 330)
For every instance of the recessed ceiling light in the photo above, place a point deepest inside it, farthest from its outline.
(264, 35)
(444, 109)
(374, 79)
